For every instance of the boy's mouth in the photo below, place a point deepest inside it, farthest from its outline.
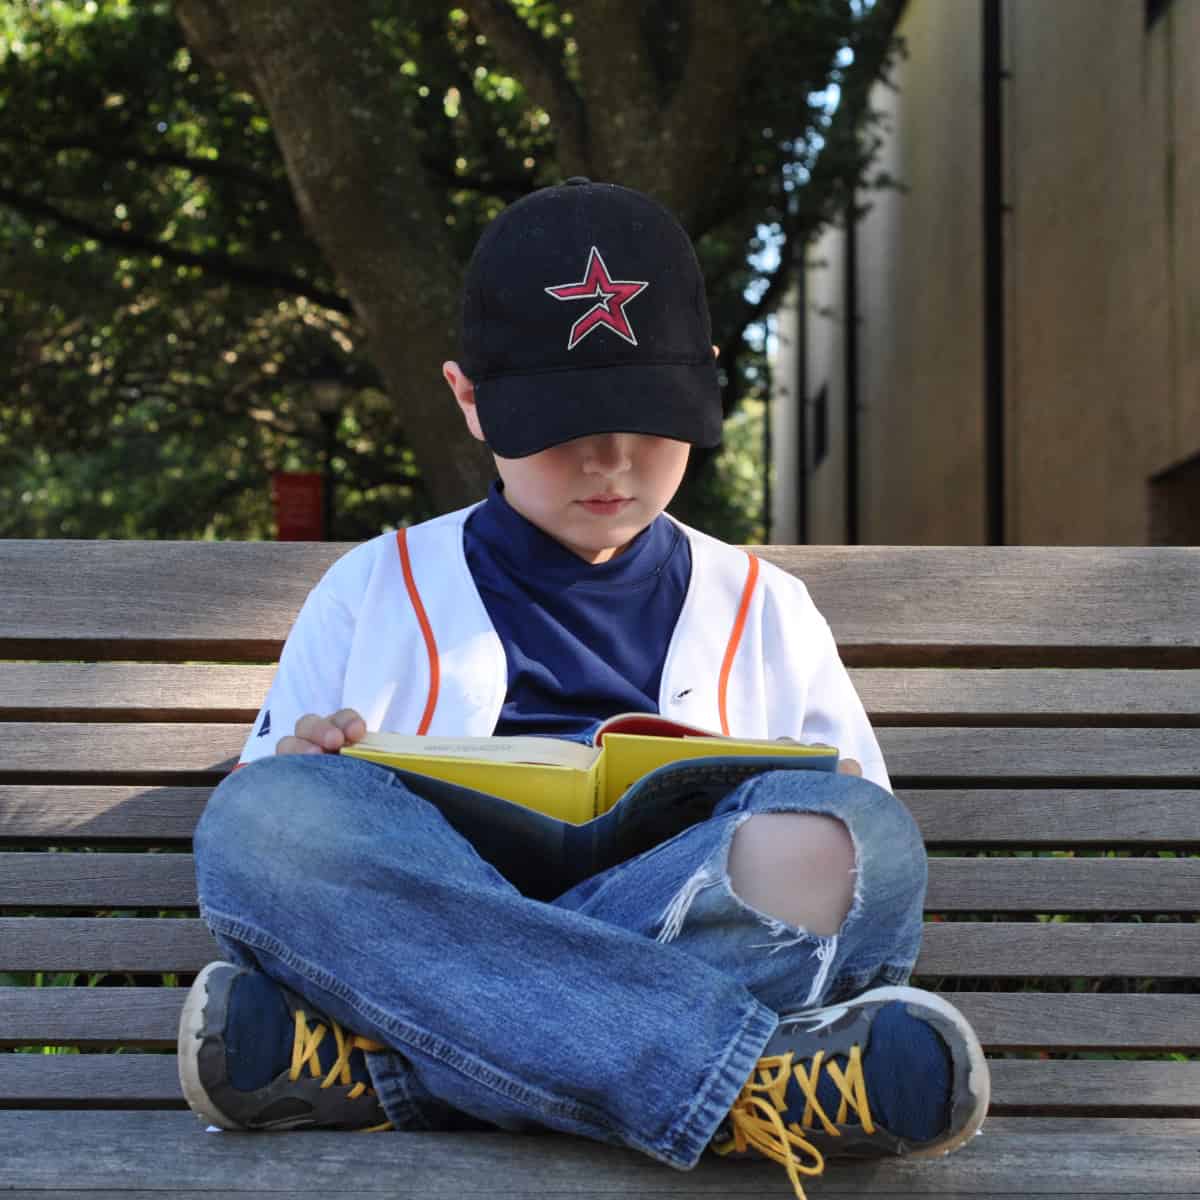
(605, 505)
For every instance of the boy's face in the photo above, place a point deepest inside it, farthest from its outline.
(593, 494)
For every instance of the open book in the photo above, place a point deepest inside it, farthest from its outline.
(548, 812)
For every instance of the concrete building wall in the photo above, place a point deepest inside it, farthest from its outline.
(920, 290)
(1102, 276)
(1094, 238)
(1181, 35)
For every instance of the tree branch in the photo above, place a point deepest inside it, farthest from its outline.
(207, 28)
(537, 63)
(828, 177)
(189, 162)
(620, 94)
(213, 264)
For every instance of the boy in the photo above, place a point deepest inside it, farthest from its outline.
(736, 986)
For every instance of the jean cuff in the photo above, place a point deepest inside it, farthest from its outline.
(688, 1138)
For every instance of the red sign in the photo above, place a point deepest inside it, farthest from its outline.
(299, 512)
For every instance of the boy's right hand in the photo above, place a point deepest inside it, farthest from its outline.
(324, 735)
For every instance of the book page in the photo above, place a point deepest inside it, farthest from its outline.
(548, 751)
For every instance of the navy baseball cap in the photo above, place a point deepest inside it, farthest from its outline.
(584, 312)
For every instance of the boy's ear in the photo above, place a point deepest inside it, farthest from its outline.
(464, 393)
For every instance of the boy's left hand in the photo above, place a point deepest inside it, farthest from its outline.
(846, 766)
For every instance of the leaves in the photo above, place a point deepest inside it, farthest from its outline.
(166, 309)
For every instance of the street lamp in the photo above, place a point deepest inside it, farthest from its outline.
(327, 399)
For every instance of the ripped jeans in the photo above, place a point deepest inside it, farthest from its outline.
(630, 1009)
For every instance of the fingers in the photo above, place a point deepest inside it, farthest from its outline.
(324, 735)
(849, 766)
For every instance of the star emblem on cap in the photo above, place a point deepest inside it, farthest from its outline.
(610, 296)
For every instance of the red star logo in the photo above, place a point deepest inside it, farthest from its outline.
(611, 296)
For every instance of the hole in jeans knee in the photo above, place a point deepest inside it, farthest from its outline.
(797, 868)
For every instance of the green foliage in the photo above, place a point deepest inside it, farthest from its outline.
(164, 314)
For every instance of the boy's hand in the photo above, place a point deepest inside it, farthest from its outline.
(324, 735)
(846, 766)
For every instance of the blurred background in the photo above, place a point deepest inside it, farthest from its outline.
(952, 250)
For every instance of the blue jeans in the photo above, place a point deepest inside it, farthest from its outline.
(630, 1009)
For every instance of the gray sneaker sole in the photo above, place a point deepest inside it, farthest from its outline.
(191, 1033)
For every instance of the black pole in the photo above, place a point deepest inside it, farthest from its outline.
(329, 421)
(801, 393)
(768, 472)
(993, 272)
(851, 373)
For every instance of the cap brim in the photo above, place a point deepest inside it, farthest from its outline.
(523, 414)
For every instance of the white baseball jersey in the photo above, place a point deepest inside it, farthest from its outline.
(396, 630)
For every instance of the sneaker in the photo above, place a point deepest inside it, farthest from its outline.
(245, 1045)
(893, 1071)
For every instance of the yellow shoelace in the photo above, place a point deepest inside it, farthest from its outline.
(304, 1053)
(757, 1121)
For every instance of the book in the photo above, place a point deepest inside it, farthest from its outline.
(548, 812)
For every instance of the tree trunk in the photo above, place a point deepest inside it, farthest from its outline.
(364, 196)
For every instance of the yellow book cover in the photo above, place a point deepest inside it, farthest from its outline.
(567, 780)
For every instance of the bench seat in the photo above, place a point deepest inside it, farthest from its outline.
(1039, 709)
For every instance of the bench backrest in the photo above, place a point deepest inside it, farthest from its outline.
(1039, 710)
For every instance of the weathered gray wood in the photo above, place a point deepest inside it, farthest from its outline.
(49, 812)
(133, 691)
(1004, 1021)
(126, 599)
(1052, 949)
(1115, 1088)
(84, 880)
(1059, 817)
(1048, 696)
(960, 949)
(1007, 1021)
(123, 1154)
(121, 595)
(32, 752)
(99, 880)
(1064, 884)
(1052, 754)
(893, 696)
(1056, 817)
(105, 944)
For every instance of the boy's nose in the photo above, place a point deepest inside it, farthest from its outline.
(607, 452)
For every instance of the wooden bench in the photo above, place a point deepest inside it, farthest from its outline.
(1040, 714)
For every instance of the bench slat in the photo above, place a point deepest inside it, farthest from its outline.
(1055, 817)
(1062, 950)
(1041, 753)
(100, 880)
(182, 691)
(122, 596)
(1115, 1088)
(134, 691)
(1058, 817)
(1057, 1156)
(1009, 949)
(1003, 1020)
(894, 696)
(32, 752)
(46, 812)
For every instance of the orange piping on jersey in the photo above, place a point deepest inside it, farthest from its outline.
(431, 649)
(735, 638)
